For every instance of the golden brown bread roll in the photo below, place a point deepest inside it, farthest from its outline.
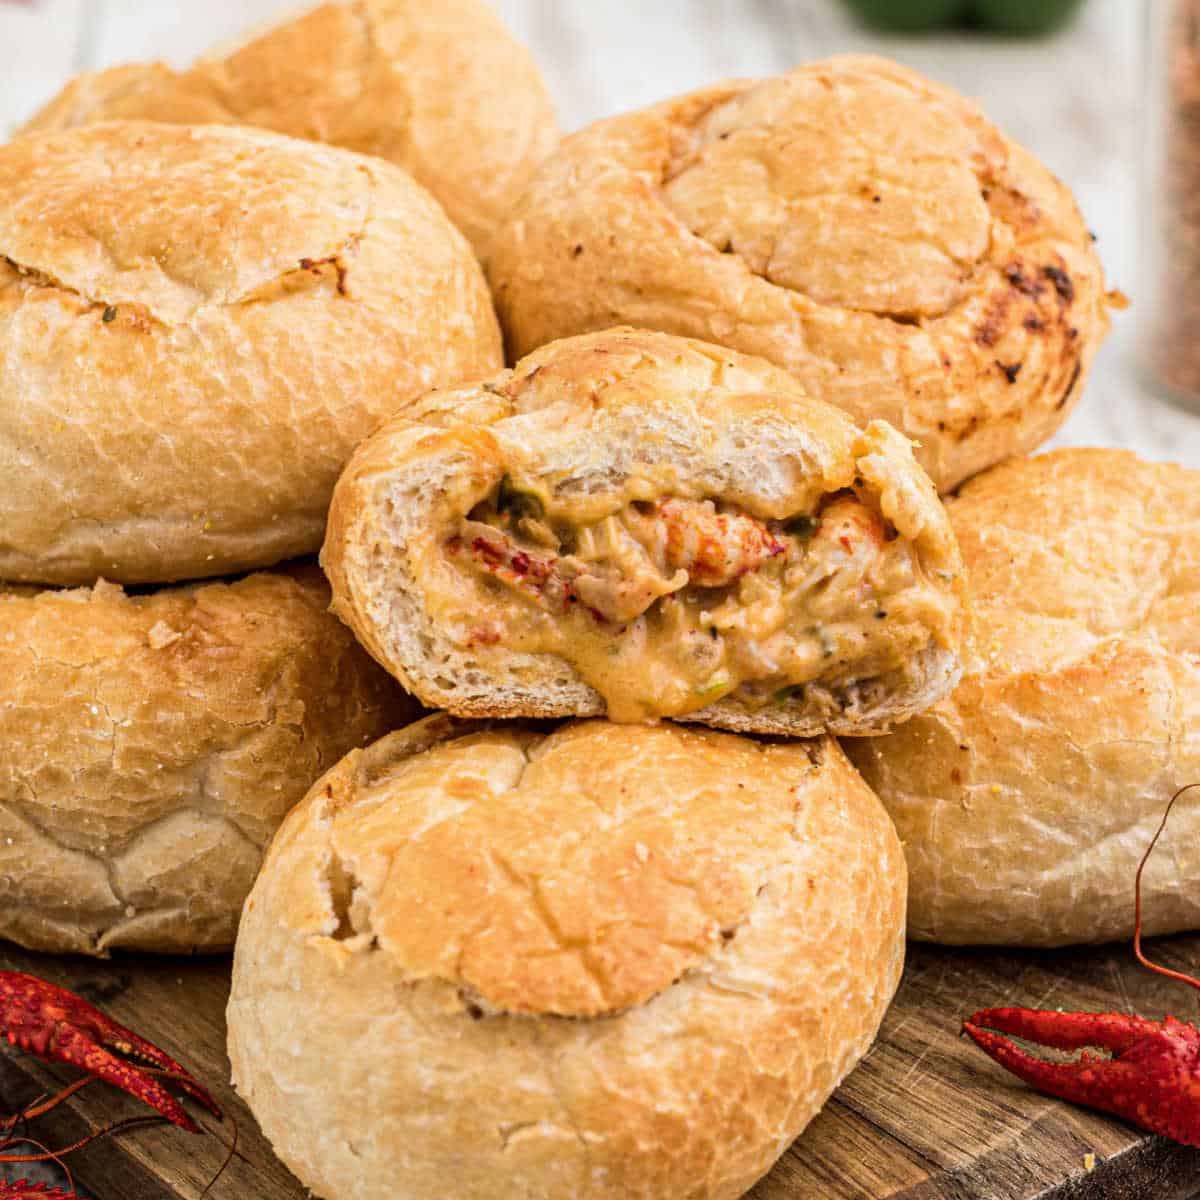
(197, 325)
(604, 963)
(853, 222)
(644, 526)
(1026, 798)
(151, 744)
(439, 89)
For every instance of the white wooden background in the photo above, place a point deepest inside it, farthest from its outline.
(1074, 99)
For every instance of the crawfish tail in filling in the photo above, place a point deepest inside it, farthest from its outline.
(667, 603)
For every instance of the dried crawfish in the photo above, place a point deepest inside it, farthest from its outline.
(59, 1026)
(1152, 1077)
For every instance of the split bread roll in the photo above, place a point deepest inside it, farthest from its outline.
(603, 963)
(855, 223)
(151, 744)
(645, 526)
(197, 325)
(439, 89)
(1026, 799)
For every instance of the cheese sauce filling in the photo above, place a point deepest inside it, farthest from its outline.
(667, 604)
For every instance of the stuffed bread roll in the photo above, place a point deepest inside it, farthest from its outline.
(644, 526)
(572, 964)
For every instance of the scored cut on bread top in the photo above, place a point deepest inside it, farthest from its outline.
(1026, 798)
(645, 526)
(595, 962)
(177, 309)
(442, 90)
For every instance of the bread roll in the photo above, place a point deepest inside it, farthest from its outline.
(1026, 799)
(853, 222)
(439, 89)
(644, 526)
(151, 744)
(604, 963)
(197, 325)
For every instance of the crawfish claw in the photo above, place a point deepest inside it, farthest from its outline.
(1067, 1031)
(59, 1026)
(1151, 1079)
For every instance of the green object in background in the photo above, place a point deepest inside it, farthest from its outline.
(910, 16)
(1024, 16)
(999, 16)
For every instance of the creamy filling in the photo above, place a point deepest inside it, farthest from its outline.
(667, 604)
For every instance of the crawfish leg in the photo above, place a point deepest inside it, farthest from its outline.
(22, 1189)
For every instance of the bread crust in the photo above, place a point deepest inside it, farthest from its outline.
(587, 406)
(611, 1000)
(851, 221)
(1027, 797)
(441, 90)
(151, 744)
(176, 303)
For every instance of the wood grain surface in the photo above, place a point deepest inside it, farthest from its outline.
(924, 1117)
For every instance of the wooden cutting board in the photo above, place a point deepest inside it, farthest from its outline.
(925, 1116)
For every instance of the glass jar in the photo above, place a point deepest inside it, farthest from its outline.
(1169, 295)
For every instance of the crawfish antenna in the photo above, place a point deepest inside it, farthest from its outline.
(1191, 980)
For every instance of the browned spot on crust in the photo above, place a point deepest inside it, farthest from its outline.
(1010, 371)
(995, 319)
(967, 428)
(1016, 275)
(1070, 386)
(315, 265)
(1062, 283)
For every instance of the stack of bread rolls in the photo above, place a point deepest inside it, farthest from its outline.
(198, 323)
(618, 918)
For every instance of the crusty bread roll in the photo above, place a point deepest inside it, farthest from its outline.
(604, 963)
(439, 89)
(151, 744)
(197, 325)
(851, 221)
(640, 525)
(1026, 799)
